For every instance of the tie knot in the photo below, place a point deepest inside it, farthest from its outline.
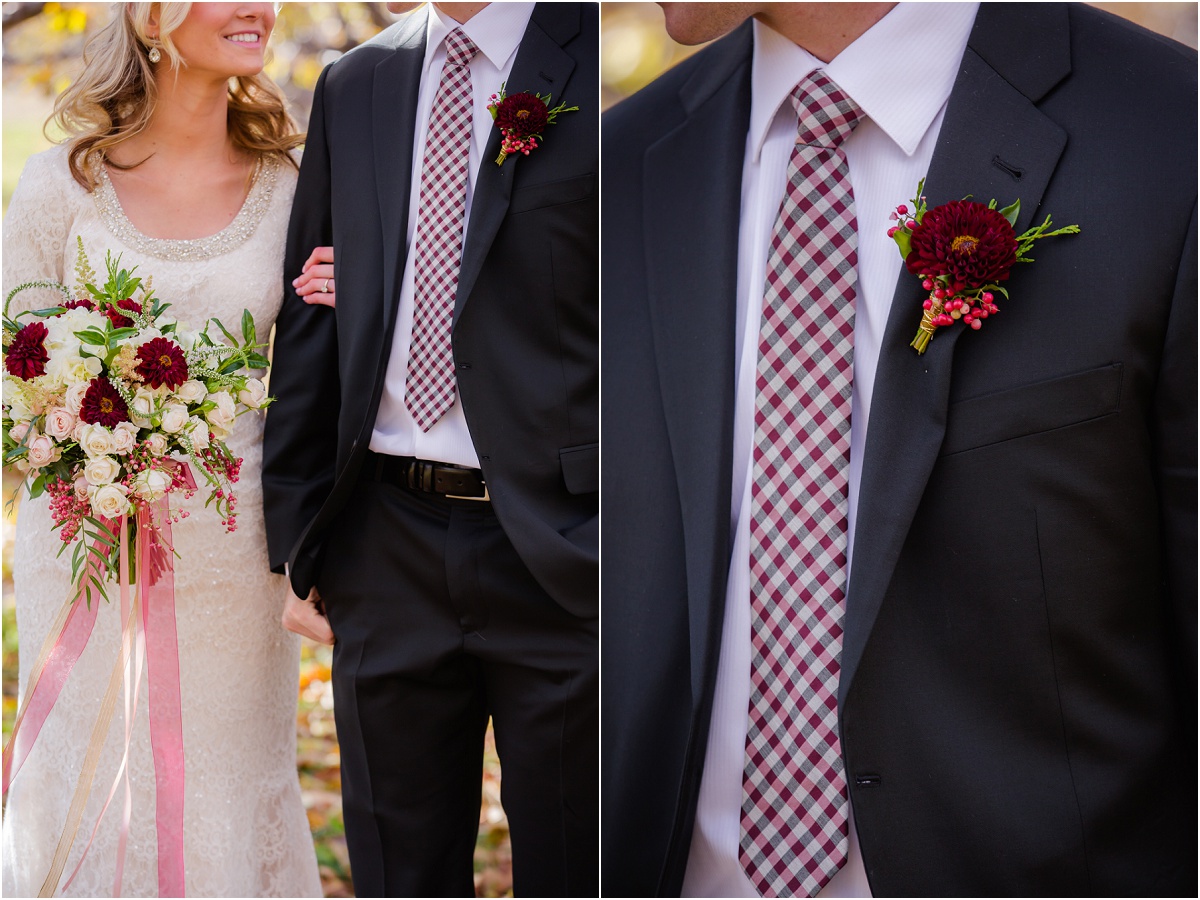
(827, 114)
(459, 48)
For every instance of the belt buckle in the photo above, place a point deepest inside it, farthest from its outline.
(485, 498)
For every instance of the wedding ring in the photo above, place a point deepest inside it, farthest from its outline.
(325, 286)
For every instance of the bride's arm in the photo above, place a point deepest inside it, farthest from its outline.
(37, 230)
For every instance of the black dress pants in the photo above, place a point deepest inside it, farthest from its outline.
(439, 625)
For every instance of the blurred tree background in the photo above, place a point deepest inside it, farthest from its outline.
(43, 45)
(635, 48)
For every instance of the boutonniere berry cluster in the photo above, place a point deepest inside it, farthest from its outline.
(521, 119)
(962, 251)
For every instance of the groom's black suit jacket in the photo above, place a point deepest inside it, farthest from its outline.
(1017, 698)
(525, 317)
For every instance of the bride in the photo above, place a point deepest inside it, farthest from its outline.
(179, 157)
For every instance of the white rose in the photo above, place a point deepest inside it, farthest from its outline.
(124, 437)
(174, 417)
(198, 429)
(96, 440)
(42, 451)
(101, 470)
(59, 423)
(254, 393)
(74, 396)
(156, 444)
(143, 403)
(222, 415)
(109, 501)
(191, 391)
(151, 484)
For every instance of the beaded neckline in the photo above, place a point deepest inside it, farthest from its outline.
(228, 238)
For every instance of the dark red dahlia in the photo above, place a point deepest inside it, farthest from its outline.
(965, 241)
(118, 320)
(102, 405)
(161, 362)
(520, 115)
(27, 355)
(80, 303)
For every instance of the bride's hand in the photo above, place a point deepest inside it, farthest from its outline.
(305, 618)
(316, 284)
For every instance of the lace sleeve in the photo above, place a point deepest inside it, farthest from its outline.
(37, 230)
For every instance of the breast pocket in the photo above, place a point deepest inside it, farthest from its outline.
(581, 468)
(1032, 409)
(551, 193)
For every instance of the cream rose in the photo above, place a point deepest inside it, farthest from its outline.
(198, 430)
(156, 444)
(174, 417)
(109, 501)
(222, 415)
(42, 451)
(253, 394)
(124, 437)
(101, 470)
(73, 399)
(191, 391)
(143, 404)
(96, 440)
(151, 484)
(60, 423)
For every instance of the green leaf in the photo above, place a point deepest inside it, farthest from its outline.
(903, 240)
(248, 327)
(92, 336)
(48, 312)
(1011, 212)
(225, 331)
(38, 487)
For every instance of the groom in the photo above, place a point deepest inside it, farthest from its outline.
(430, 465)
(877, 621)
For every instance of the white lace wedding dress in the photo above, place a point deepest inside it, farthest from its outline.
(245, 830)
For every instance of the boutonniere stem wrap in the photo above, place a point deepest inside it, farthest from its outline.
(962, 251)
(521, 119)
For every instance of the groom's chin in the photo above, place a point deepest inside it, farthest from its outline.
(698, 23)
(398, 9)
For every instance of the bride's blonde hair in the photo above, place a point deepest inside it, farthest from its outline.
(113, 98)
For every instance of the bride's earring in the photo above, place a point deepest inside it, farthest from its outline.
(155, 54)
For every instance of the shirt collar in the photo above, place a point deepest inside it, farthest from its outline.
(496, 30)
(889, 71)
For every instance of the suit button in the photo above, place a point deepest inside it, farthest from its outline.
(485, 458)
(464, 365)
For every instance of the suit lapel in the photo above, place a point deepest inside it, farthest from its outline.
(541, 67)
(691, 209)
(394, 95)
(991, 130)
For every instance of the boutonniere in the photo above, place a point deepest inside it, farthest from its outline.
(521, 118)
(961, 251)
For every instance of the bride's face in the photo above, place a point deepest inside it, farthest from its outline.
(225, 39)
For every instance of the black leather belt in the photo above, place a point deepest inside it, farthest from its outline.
(454, 482)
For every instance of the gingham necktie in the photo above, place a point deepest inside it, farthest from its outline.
(429, 385)
(794, 833)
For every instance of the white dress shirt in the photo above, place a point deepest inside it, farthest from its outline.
(496, 30)
(900, 73)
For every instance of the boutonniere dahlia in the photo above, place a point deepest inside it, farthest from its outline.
(521, 118)
(961, 251)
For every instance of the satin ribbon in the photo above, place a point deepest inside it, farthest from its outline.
(157, 640)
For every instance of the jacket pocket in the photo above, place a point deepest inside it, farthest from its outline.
(550, 193)
(581, 468)
(1031, 409)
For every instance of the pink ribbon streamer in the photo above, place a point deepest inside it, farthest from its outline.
(48, 684)
(156, 572)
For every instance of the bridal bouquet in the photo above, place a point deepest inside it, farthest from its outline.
(110, 404)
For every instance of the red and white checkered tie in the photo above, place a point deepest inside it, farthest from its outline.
(429, 385)
(794, 799)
